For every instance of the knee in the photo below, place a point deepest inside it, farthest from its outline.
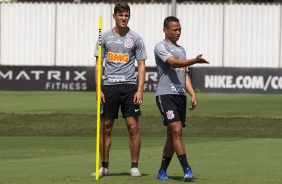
(105, 129)
(176, 133)
(133, 131)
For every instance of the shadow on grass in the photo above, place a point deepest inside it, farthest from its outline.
(125, 174)
(180, 178)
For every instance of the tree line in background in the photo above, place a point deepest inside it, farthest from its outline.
(154, 1)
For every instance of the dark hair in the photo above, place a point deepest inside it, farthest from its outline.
(121, 7)
(170, 19)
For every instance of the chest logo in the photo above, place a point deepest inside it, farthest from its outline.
(128, 43)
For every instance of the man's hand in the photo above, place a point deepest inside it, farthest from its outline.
(102, 98)
(200, 59)
(138, 98)
(193, 103)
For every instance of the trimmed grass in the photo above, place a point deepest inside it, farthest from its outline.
(47, 160)
(49, 137)
(74, 114)
(85, 125)
(209, 104)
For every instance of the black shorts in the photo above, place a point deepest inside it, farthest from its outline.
(172, 108)
(119, 95)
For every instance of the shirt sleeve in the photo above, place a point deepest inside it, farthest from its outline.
(162, 52)
(140, 51)
(103, 46)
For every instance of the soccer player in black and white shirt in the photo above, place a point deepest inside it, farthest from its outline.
(121, 47)
(173, 81)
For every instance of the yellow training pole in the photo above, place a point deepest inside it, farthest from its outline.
(98, 91)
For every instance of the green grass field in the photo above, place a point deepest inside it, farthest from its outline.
(49, 137)
(209, 105)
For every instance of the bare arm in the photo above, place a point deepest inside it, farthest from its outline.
(190, 89)
(96, 78)
(138, 97)
(175, 63)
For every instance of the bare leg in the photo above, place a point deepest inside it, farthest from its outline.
(176, 133)
(105, 139)
(168, 149)
(179, 147)
(134, 138)
(168, 152)
(173, 144)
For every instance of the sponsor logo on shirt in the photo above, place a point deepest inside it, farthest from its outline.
(116, 78)
(118, 57)
(177, 88)
(118, 41)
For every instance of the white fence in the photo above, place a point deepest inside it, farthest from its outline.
(229, 35)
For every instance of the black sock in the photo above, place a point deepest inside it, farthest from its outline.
(183, 161)
(134, 164)
(165, 163)
(105, 165)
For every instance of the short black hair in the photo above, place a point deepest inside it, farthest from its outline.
(170, 19)
(121, 7)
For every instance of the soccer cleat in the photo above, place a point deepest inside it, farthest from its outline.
(188, 175)
(102, 172)
(134, 172)
(162, 175)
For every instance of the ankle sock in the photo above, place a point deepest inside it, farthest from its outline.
(165, 163)
(134, 164)
(105, 165)
(183, 161)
